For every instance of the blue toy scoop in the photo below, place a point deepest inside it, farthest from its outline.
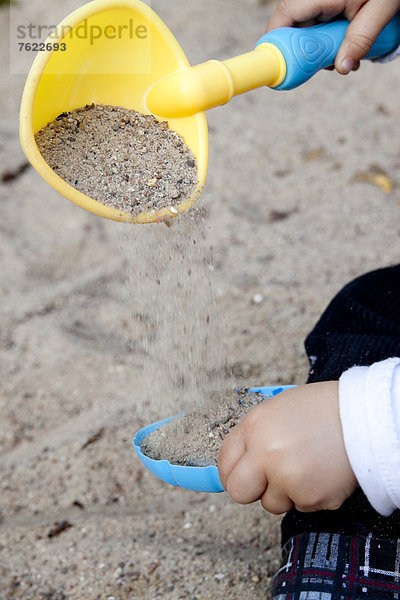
(198, 479)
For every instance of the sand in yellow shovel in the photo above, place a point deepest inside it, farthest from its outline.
(119, 52)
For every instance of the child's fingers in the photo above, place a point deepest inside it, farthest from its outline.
(231, 451)
(275, 501)
(247, 481)
(362, 32)
(292, 12)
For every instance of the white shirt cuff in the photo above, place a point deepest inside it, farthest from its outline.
(369, 400)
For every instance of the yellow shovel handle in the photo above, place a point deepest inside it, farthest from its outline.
(188, 91)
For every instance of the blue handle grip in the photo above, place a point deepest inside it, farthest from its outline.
(310, 49)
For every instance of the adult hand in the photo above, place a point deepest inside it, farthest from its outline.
(367, 19)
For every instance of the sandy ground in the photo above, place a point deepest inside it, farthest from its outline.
(289, 217)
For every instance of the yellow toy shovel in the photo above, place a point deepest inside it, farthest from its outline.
(114, 51)
(119, 52)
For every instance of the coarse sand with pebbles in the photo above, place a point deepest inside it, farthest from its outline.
(195, 439)
(119, 157)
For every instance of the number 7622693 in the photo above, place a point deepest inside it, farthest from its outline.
(42, 46)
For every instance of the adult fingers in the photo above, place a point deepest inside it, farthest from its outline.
(292, 12)
(362, 32)
(247, 481)
(231, 451)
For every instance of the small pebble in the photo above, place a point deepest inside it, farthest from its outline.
(117, 573)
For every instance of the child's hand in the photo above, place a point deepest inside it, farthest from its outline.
(288, 451)
(367, 19)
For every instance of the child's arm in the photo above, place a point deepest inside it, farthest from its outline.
(367, 19)
(290, 451)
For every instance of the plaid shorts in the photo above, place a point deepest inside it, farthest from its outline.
(334, 566)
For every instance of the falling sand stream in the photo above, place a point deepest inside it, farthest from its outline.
(171, 294)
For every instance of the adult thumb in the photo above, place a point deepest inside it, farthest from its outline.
(361, 34)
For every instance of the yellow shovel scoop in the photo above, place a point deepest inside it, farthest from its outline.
(119, 52)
